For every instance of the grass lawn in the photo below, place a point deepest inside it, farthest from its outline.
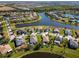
(69, 53)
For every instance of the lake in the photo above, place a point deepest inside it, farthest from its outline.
(42, 55)
(46, 21)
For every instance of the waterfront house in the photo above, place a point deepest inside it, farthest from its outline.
(34, 14)
(5, 48)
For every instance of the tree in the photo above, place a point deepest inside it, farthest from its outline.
(52, 38)
(64, 44)
(37, 46)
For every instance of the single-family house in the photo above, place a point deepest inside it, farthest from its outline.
(20, 32)
(19, 41)
(77, 33)
(5, 48)
(73, 44)
(56, 30)
(33, 38)
(58, 39)
(67, 32)
(45, 38)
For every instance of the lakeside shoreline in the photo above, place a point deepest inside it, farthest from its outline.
(53, 19)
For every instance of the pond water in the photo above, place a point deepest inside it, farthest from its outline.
(46, 21)
(42, 55)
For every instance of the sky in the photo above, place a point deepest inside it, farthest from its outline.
(39, 0)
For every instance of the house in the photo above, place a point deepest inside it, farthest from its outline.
(12, 37)
(58, 39)
(73, 44)
(46, 30)
(63, 19)
(77, 33)
(1, 28)
(19, 41)
(71, 17)
(0, 23)
(33, 38)
(72, 20)
(45, 38)
(69, 37)
(20, 32)
(5, 48)
(11, 33)
(38, 30)
(9, 29)
(67, 32)
(77, 36)
(68, 15)
(56, 30)
(1, 36)
(77, 17)
(23, 46)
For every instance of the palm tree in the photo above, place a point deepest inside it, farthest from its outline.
(64, 44)
(52, 38)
